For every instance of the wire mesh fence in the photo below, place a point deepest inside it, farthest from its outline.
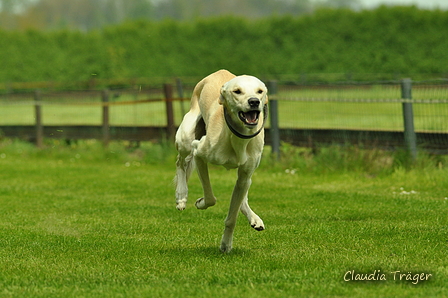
(368, 113)
(370, 107)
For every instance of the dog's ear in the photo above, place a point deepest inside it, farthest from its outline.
(222, 97)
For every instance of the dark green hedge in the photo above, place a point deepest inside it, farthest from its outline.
(385, 40)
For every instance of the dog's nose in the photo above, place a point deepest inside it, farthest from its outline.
(254, 102)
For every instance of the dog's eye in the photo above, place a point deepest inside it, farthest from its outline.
(260, 91)
(237, 91)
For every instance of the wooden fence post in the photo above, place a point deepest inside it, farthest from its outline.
(180, 93)
(168, 90)
(273, 111)
(410, 137)
(38, 114)
(105, 128)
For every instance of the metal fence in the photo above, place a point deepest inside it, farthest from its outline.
(385, 114)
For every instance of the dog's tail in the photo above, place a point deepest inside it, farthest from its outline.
(190, 165)
(185, 166)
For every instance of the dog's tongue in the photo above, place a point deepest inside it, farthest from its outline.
(251, 117)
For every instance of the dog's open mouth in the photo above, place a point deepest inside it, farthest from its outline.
(249, 118)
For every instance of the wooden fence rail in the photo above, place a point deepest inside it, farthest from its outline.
(407, 138)
(36, 133)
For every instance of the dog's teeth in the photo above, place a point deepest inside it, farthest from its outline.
(251, 117)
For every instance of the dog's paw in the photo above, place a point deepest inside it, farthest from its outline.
(202, 204)
(257, 223)
(181, 204)
(226, 247)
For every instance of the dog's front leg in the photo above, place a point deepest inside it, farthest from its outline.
(254, 220)
(239, 193)
(209, 198)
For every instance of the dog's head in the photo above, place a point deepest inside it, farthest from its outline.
(245, 97)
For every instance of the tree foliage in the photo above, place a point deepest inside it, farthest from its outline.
(90, 14)
(385, 40)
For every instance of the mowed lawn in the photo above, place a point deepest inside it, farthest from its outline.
(104, 224)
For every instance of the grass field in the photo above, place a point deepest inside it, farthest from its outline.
(310, 108)
(80, 221)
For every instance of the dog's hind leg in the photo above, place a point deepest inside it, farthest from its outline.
(185, 162)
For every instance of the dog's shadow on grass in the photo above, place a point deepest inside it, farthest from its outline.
(215, 251)
(205, 252)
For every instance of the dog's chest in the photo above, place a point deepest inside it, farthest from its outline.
(233, 155)
(235, 161)
(228, 157)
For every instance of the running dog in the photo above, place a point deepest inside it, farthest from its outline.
(225, 126)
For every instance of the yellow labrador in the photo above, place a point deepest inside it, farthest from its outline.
(225, 126)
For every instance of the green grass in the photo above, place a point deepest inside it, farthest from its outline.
(80, 221)
(308, 110)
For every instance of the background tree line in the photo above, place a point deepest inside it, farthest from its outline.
(402, 40)
(89, 14)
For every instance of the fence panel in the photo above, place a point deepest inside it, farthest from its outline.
(357, 107)
(309, 114)
(370, 114)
